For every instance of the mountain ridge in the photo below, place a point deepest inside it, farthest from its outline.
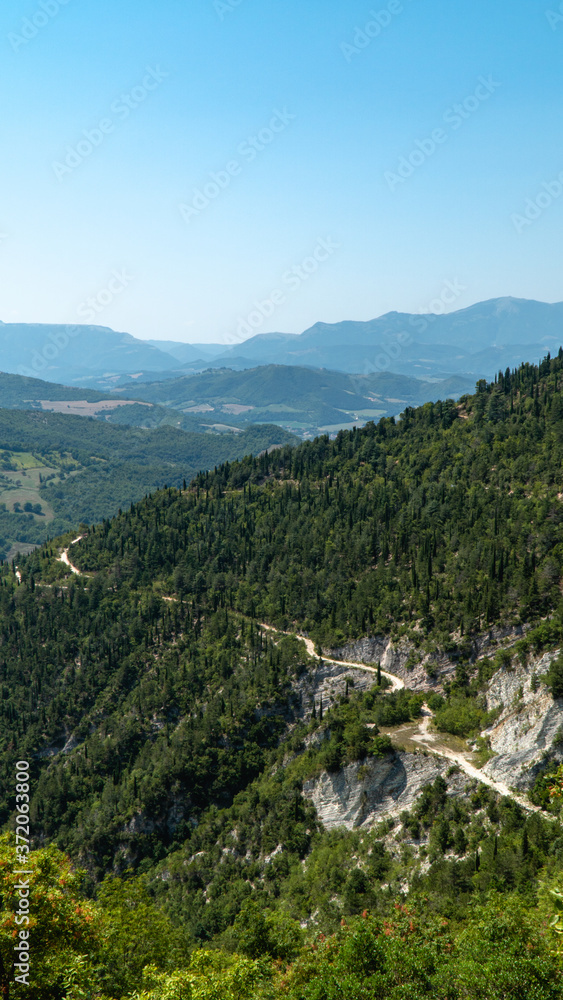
(522, 329)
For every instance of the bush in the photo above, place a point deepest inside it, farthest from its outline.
(461, 717)
(357, 739)
(415, 705)
(331, 757)
(380, 746)
(555, 677)
(435, 702)
(260, 932)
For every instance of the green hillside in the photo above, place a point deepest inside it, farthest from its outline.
(18, 392)
(171, 735)
(306, 401)
(448, 520)
(58, 471)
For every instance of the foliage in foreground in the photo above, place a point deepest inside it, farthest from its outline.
(123, 947)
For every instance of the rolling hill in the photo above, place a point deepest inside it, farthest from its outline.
(302, 400)
(18, 392)
(58, 470)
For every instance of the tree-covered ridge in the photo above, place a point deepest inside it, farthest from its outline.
(162, 711)
(156, 654)
(449, 520)
(85, 470)
(306, 401)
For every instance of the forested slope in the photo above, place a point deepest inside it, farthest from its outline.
(82, 470)
(449, 519)
(169, 732)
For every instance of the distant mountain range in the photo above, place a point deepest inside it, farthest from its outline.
(476, 342)
(472, 343)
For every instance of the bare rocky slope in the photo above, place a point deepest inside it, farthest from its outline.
(527, 733)
(529, 727)
(421, 671)
(362, 794)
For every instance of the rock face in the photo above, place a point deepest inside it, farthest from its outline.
(528, 730)
(329, 681)
(426, 672)
(361, 794)
(529, 723)
(393, 658)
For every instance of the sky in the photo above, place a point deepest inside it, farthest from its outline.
(200, 170)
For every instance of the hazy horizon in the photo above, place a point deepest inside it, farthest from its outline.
(295, 333)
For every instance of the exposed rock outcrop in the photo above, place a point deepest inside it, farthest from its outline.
(362, 794)
(393, 658)
(421, 671)
(528, 726)
(329, 681)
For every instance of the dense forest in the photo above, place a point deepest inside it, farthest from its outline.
(448, 520)
(80, 470)
(170, 738)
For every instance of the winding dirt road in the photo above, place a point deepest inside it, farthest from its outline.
(430, 740)
(424, 737)
(396, 683)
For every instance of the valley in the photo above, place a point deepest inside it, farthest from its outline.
(281, 502)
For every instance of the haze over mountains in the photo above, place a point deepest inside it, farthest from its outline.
(473, 342)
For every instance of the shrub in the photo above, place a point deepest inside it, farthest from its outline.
(357, 739)
(380, 746)
(435, 702)
(415, 705)
(555, 677)
(259, 932)
(331, 757)
(461, 717)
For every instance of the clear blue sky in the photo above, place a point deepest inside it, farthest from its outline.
(360, 103)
